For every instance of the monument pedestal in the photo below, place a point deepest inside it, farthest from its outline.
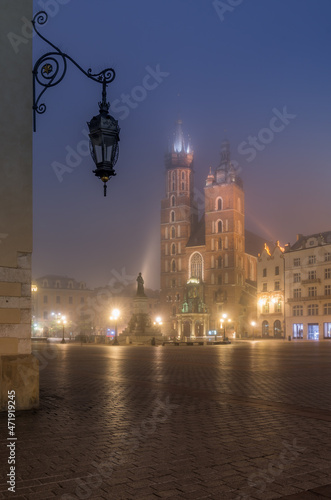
(140, 324)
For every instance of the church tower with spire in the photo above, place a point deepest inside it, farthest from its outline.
(207, 276)
(225, 240)
(178, 218)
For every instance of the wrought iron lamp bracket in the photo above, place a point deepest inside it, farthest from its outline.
(50, 69)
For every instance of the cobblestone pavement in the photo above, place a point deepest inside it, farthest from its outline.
(249, 420)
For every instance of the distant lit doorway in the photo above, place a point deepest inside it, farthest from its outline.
(277, 329)
(313, 331)
(265, 329)
(187, 329)
(198, 329)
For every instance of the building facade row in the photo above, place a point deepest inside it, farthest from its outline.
(86, 311)
(294, 289)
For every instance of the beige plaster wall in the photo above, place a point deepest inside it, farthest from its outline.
(16, 131)
(16, 176)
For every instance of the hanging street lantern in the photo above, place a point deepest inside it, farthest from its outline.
(104, 136)
(49, 71)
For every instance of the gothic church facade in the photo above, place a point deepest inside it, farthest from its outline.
(207, 274)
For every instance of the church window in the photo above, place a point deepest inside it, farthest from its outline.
(173, 232)
(173, 200)
(219, 226)
(196, 266)
(174, 311)
(213, 244)
(226, 243)
(219, 204)
(183, 186)
(173, 283)
(219, 279)
(252, 274)
(173, 249)
(239, 205)
(173, 181)
(220, 244)
(173, 266)
(172, 216)
(219, 262)
(183, 176)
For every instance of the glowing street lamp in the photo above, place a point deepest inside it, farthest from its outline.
(223, 318)
(114, 316)
(158, 321)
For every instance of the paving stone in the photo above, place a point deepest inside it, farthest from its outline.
(229, 427)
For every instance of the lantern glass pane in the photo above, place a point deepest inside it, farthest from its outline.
(108, 152)
(98, 153)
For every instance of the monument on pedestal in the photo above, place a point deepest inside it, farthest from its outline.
(140, 324)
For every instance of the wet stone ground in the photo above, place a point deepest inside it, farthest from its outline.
(251, 420)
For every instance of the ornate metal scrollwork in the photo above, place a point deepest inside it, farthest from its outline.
(50, 69)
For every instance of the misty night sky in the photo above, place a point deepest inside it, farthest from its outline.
(230, 75)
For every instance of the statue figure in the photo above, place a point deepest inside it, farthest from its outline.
(140, 287)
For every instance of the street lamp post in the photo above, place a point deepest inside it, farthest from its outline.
(253, 325)
(224, 317)
(63, 321)
(114, 316)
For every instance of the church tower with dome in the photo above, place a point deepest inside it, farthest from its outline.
(206, 274)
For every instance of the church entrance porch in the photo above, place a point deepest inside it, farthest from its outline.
(192, 326)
